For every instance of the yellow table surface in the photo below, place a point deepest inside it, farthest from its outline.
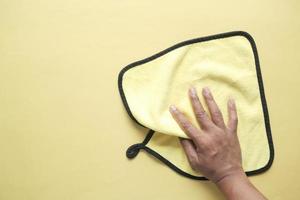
(63, 128)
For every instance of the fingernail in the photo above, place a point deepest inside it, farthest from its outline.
(206, 91)
(173, 108)
(193, 91)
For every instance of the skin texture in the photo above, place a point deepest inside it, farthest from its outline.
(214, 149)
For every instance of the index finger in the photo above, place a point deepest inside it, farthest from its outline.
(186, 125)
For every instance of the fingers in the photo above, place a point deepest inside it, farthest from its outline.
(213, 108)
(200, 114)
(232, 115)
(186, 126)
(190, 151)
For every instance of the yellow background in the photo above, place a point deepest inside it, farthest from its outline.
(63, 128)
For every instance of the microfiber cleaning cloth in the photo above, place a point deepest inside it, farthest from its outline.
(228, 64)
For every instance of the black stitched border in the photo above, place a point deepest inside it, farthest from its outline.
(148, 137)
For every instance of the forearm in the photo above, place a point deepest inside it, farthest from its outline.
(238, 187)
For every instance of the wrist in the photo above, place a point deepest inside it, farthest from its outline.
(235, 176)
(237, 186)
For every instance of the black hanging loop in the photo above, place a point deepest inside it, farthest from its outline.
(133, 150)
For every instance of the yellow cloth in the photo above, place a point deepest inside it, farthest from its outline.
(228, 64)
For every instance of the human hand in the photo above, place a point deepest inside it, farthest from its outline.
(214, 149)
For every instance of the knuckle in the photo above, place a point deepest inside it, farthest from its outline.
(209, 98)
(213, 152)
(194, 98)
(235, 119)
(185, 125)
(198, 138)
(218, 120)
(217, 113)
(200, 114)
(232, 129)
